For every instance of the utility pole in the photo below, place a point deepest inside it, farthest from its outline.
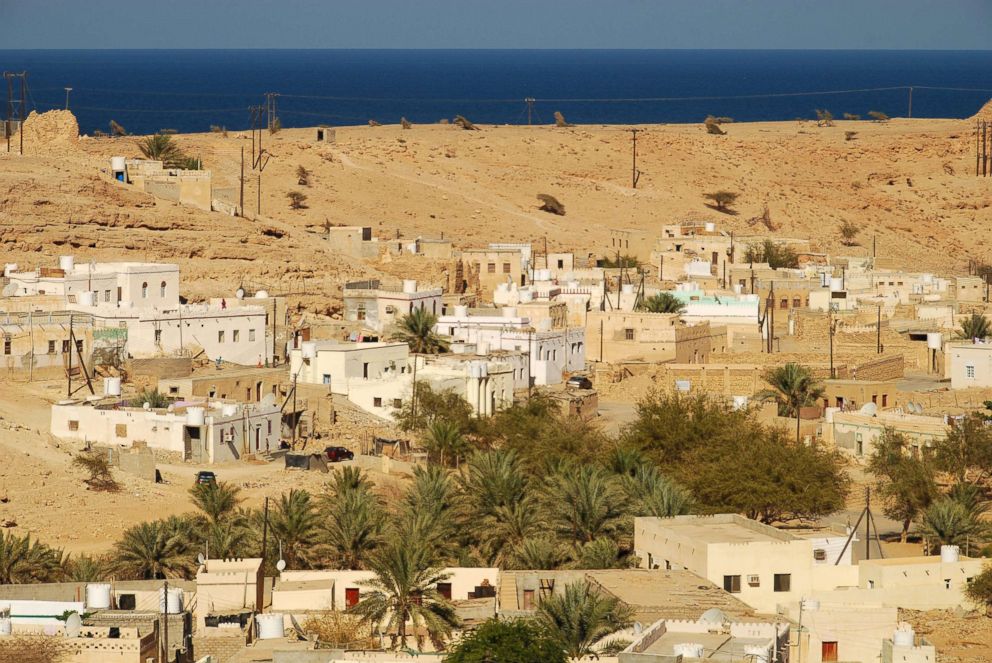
(634, 173)
(241, 209)
(67, 91)
(265, 531)
(530, 109)
(270, 110)
(165, 619)
(910, 102)
(16, 100)
(831, 334)
(296, 416)
(69, 370)
(878, 332)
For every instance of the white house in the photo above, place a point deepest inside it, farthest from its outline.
(552, 352)
(378, 307)
(340, 365)
(123, 284)
(202, 431)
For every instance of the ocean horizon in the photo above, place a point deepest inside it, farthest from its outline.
(192, 90)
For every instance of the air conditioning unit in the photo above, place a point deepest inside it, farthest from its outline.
(753, 581)
(820, 555)
(390, 309)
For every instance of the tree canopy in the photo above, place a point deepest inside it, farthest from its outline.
(512, 641)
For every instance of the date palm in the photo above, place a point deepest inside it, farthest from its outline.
(156, 550)
(85, 568)
(653, 494)
(416, 329)
(351, 527)
(161, 147)
(793, 387)
(975, 326)
(584, 503)
(581, 616)
(663, 302)
(217, 501)
(444, 441)
(293, 523)
(536, 552)
(24, 561)
(404, 592)
(949, 522)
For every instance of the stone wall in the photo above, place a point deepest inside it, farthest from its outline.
(222, 648)
(147, 372)
(891, 367)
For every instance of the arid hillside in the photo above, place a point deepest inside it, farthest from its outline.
(911, 183)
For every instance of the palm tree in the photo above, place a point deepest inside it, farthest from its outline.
(216, 500)
(228, 538)
(156, 550)
(663, 302)
(85, 568)
(348, 479)
(428, 512)
(444, 439)
(601, 553)
(502, 531)
(23, 560)
(417, 330)
(976, 326)
(951, 523)
(161, 147)
(404, 590)
(581, 616)
(793, 388)
(351, 527)
(533, 553)
(653, 494)
(293, 523)
(584, 503)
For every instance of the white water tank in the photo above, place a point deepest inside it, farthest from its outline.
(740, 402)
(9, 268)
(98, 596)
(836, 284)
(194, 416)
(118, 164)
(950, 554)
(111, 386)
(935, 340)
(173, 604)
(270, 626)
(229, 409)
(409, 286)
(509, 311)
(709, 226)
(308, 349)
(482, 348)
(461, 311)
(66, 263)
(828, 414)
(262, 294)
(904, 636)
(688, 650)
(738, 288)
(87, 298)
(6, 627)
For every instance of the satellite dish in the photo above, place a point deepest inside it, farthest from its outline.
(200, 559)
(240, 293)
(919, 408)
(638, 628)
(147, 406)
(72, 625)
(869, 408)
(281, 565)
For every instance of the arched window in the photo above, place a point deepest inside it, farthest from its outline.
(161, 290)
(144, 290)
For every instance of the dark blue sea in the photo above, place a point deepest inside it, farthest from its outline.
(190, 90)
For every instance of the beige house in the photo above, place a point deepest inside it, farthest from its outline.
(616, 336)
(761, 565)
(355, 241)
(857, 432)
(631, 242)
(227, 587)
(969, 364)
(95, 644)
(248, 385)
(38, 345)
(186, 187)
(496, 266)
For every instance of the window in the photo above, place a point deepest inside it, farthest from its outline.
(491, 268)
(796, 302)
(783, 582)
(237, 335)
(73, 425)
(885, 400)
(785, 303)
(79, 346)
(158, 336)
(161, 290)
(820, 555)
(732, 584)
(144, 290)
(220, 336)
(506, 268)
(173, 390)
(106, 295)
(121, 430)
(361, 311)
(6, 345)
(444, 589)
(397, 403)
(969, 371)
(561, 264)
(51, 347)
(828, 651)
(628, 334)
(251, 335)
(269, 422)
(947, 583)
(377, 402)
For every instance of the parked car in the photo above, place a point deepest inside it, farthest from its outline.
(579, 382)
(206, 477)
(336, 454)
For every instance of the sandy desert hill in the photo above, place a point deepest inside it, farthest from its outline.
(910, 183)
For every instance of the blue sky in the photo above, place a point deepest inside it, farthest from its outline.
(800, 24)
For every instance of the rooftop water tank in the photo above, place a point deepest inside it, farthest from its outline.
(740, 402)
(482, 348)
(172, 603)
(111, 386)
(9, 268)
(66, 263)
(904, 636)
(118, 164)
(935, 340)
(461, 311)
(409, 286)
(270, 626)
(756, 653)
(194, 416)
(229, 409)
(98, 596)
(308, 349)
(738, 288)
(950, 554)
(87, 298)
(836, 284)
(709, 226)
(262, 294)
(688, 650)
(509, 312)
